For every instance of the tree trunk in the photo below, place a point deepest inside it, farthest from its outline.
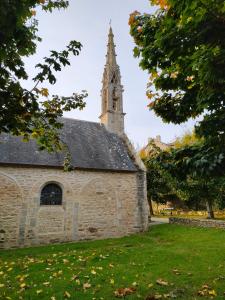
(150, 207)
(209, 209)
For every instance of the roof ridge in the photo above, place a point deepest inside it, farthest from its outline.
(73, 119)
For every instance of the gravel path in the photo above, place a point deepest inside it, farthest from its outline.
(158, 221)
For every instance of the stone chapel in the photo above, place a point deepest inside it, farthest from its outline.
(103, 196)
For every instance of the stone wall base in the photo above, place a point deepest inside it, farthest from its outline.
(198, 222)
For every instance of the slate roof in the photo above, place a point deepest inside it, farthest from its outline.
(91, 147)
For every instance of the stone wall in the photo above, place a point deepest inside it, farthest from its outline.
(95, 205)
(198, 222)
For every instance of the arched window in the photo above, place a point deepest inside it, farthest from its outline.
(51, 194)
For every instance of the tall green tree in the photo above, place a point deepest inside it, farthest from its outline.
(182, 45)
(198, 189)
(32, 113)
(161, 186)
(167, 180)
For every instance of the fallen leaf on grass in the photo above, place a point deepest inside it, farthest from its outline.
(23, 285)
(74, 277)
(123, 292)
(162, 282)
(175, 271)
(170, 295)
(86, 285)
(206, 291)
(67, 295)
(154, 297)
(212, 293)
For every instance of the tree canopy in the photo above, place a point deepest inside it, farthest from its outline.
(167, 182)
(182, 46)
(32, 113)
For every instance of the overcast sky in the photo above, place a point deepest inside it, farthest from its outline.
(87, 21)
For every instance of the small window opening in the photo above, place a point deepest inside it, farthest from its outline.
(51, 194)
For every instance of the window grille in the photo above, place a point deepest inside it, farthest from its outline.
(51, 194)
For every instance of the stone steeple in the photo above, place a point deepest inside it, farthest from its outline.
(112, 91)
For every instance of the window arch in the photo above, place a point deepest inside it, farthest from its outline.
(51, 194)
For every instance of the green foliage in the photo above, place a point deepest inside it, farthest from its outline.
(161, 187)
(31, 113)
(182, 46)
(167, 179)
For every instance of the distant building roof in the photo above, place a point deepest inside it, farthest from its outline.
(91, 147)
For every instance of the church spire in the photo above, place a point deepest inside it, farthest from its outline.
(111, 53)
(112, 91)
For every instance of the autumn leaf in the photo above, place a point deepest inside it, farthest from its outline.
(212, 293)
(67, 295)
(65, 261)
(123, 292)
(132, 18)
(44, 92)
(162, 282)
(154, 297)
(86, 285)
(33, 12)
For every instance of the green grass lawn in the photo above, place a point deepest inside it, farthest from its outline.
(185, 261)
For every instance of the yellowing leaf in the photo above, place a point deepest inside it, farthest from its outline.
(123, 292)
(112, 281)
(2, 285)
(162, 282)
(65, 261)
(67, 295)
(23, 285)
(33, 12)
(86, 285)
(212, 293)
(39, 292)
(44, 92)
